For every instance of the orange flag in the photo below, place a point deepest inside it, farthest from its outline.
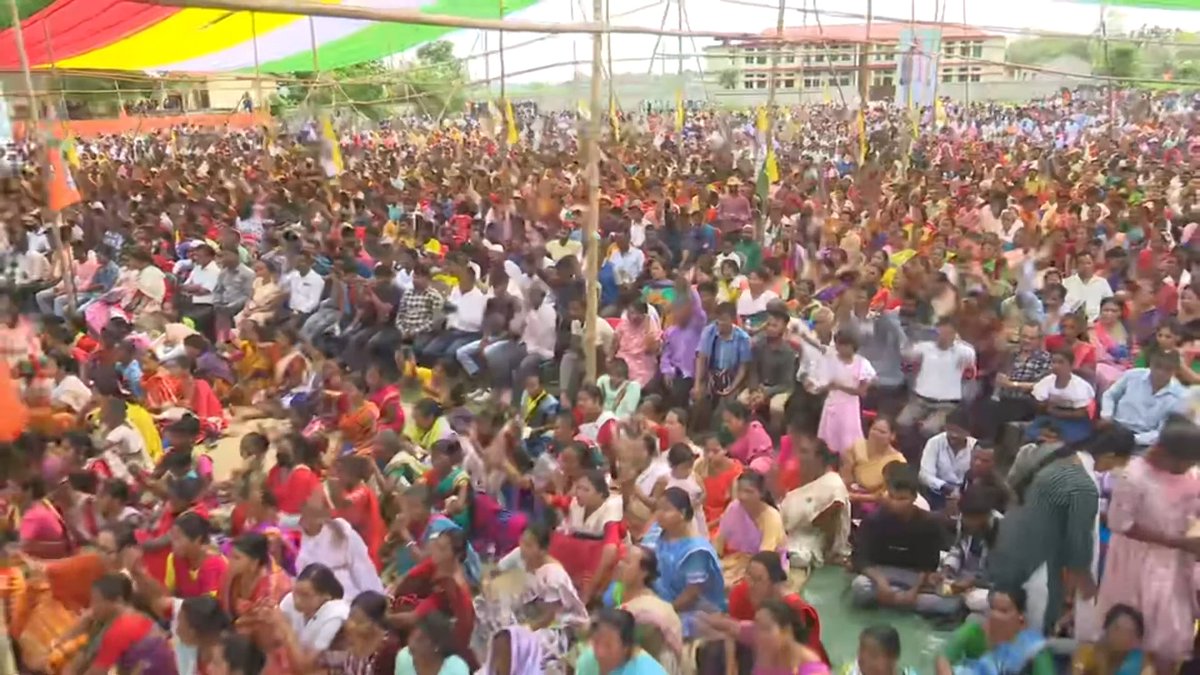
(16, 415)
(63, 192)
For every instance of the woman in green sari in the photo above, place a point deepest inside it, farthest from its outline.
(450, 484)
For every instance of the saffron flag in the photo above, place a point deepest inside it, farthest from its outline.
(331, 149)
(62, 189)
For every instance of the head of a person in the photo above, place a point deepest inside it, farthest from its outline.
(431, 639)
(590, 400)
(189, 535)
(902, 489)
(1124, 629)
(879, 435)
(736, 417)
(681, 459)
(613, 638)
(726, 316)
(1110, 311)
(444, 455)
(201, 621)
(676, 424)
(113, 497)
(448, 550)
(752, 492)
(250, 555)
(591, 489)
(618, 372)
(638, 569)
(575, 459)
(112, 543)
(976, 506)
(957, 423)
(1178, 446)
(946, 331)
(417, 505)
(368, 616)
(1006, 613)
(675, 510)
(426, 412)
(878, 650)
(777, 627)
(315, 585)
(535, 545)
(983, 460)
(111, 593)
(846, 343)
(237, 655)
(1163, 366)
(764, 577)
(315, 514)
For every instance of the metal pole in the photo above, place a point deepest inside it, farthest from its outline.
(679, 45)
(592, 224)
(312, 38)
(967, 84)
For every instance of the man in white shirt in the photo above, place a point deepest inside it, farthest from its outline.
(627, 261)
(946, 459)
(1085, 288)
(570, 368)
(938, 386)
(464, 316)
(304, 288)
(539, 337)
(196, 293)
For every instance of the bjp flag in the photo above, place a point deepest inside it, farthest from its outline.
(63, 191)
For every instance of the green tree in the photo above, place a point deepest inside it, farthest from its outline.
(727, 78)
(1039, 51)
(1119, 60)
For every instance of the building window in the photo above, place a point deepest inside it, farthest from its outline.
(819, 58)
(974, 77)
(844, 80)
(812, 82)
(887, 80)
(789, 83)
(790, 58)
(977, 50)
(947, 77)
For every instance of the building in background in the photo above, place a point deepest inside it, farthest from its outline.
(822, 63)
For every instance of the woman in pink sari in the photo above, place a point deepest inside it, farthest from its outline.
(752, 445)
(751, 523)
(1113, 343)
(139, 293)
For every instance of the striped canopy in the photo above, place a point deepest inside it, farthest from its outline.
(1185, 5)
(123, 35)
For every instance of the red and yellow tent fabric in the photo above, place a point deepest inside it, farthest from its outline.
(125, 35)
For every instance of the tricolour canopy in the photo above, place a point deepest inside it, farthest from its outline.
(1186, 5)
(123, 35)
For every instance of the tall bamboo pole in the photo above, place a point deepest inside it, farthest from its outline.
(592, 224)
(43, 138)
(864, 60)
(503, 89)
(769, 136)
(612, 94)
(258, 91)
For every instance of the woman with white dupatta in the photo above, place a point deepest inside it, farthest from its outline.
(816, 515)
(593, 536)
(334, 543)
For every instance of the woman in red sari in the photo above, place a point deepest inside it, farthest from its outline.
(356, 502)
(174, 386)
(438, 584)
(387, 398)
(251, 591)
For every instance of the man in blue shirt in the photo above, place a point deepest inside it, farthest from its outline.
(724, 359)
(1141, 400)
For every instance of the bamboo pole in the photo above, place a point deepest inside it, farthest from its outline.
(769, 136)
(592, 224)
(43, 138)
(864, 64)
(503, 89)
(417, 18)
(612, 94)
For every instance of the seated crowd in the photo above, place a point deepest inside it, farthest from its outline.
(978, 410)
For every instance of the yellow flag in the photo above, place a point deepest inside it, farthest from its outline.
(761, 123)
(771, 167)
(939, 113)
(613, 118)
(679, 110)
(585, 110)
(511, 120)
(71, 150)
(862, 137)
(331, 149)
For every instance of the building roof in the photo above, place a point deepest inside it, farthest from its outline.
(880, 30)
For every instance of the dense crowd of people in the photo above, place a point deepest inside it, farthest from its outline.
(953, 360)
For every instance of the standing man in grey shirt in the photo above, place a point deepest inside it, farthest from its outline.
(235, 283)
(772, 368)
(881, 341)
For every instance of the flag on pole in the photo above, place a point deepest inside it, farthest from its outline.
(862, 137)
(63, 191)
(761, 123)
(679, 113)
(331, 150)
(939, 113)
(613, 118)
(71, 150)
(510, 121)
(585, 110)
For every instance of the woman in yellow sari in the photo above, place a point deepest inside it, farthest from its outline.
(252, 358)
(751, 523)
(266, 296)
